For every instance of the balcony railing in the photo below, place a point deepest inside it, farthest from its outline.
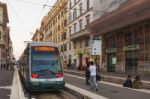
(79, 34)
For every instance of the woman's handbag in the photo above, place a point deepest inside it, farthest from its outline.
(98, 77)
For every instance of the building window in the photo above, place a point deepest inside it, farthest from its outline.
(80, 6)
(59, 27)
(80, 24)
(65, 22)
(62, 37)
(74, 25)
(0, 35)
(53, 22)
(70, 30)
(111, 41)
(61, 48)
(88, 19)
(75, 2)
(88, 4)
(69, 46)
(131, 38)
(69, 17)
(70, 5)
(65, 36)
(74, 14)
(103, 1)
(62, 13)
(65, 47)
(80, 44)
(74, 45)
(86, 42)
(58, 16)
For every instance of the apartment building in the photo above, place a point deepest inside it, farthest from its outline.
(54, 27)
(37, 36)
(80, 13)
(3, 32)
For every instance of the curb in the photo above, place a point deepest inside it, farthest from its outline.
(17, 90)
(119, 80)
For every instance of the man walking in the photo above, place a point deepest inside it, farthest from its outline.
(92, 70)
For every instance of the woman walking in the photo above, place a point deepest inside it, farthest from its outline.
(92, 70)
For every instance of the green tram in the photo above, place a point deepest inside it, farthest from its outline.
(40, 67)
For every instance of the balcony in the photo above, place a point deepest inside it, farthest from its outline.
(2, 43)
(79, 35)
(1, 23)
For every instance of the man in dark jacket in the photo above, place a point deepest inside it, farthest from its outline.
(87, 73)
(128, 82)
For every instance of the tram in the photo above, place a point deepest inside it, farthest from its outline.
(41, 68)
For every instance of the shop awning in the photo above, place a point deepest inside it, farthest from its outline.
(132, 12)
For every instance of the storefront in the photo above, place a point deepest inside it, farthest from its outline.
(125, 36)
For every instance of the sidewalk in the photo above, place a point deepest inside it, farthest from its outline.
(120, 75)
(6, 78)
(116, 77)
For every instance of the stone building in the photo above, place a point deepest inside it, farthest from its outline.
(125, 36)
(54, 26)
(37, 36)
(80, 14)
(4, 30)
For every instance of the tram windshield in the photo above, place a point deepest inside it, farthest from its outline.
(45, 62)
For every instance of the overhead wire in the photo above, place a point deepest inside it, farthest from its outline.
(18, 16)
(38, 4)
(41, 13)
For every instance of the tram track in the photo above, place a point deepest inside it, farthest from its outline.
(60, 94)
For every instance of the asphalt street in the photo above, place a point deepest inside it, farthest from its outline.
(6, 78)
(106, 90)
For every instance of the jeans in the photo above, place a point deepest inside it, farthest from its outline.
(93, 82)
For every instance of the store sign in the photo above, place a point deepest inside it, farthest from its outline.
(114, 60)
(96, 47)
(111, 50)
(131, 47)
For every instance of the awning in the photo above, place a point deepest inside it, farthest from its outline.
(132, 12)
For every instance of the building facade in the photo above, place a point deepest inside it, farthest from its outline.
(37, 36)
(125, 37)
(5, 41)
(3, 32)
(65, 25)
(54, 26)
(80, 14)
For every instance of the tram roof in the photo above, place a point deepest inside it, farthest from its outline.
(42, 44)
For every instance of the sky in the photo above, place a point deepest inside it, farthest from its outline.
(24, 18)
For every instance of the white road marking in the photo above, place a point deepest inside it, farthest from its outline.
(113, 84)
(5, 87)
(85, 92)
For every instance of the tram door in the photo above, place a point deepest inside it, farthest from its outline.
(131, 62)
(111, 62)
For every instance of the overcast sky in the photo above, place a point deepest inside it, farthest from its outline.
(24, 18)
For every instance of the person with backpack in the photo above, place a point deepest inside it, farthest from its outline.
(128, 82)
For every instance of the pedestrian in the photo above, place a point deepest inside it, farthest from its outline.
(4, 66)
(87, 73)
(68, 66)
(128, 82)
(137, 82)
(92, 70)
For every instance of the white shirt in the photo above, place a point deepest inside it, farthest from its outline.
(92, 70)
